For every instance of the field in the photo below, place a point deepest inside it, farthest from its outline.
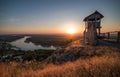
(105, 63)
(10, 37)
(55, 40)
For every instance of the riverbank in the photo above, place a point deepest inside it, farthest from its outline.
(35, 42)
(22, 45)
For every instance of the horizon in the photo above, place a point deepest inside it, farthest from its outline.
(64, 34)
(54, 16)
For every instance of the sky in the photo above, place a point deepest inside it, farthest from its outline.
(55, 16)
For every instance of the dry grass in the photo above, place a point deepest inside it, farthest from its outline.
(106, 65)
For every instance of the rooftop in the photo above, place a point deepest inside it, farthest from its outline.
(94, 16)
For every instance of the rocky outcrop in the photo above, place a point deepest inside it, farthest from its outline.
(77, 49)
(69, 53)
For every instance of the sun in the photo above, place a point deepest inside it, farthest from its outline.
(70, 28)
(71, 31)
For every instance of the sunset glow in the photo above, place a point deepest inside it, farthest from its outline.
(54, 16)
(71, 31)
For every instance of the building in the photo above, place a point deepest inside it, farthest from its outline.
(92, 28)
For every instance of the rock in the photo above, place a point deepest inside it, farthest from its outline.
(65, 54)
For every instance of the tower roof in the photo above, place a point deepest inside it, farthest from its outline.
(94, 16)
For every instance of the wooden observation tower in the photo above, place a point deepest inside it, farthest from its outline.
(92, 28)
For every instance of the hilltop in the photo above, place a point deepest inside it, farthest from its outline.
(73, 60)
(77, 49)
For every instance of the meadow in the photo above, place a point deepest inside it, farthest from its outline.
(105, 63)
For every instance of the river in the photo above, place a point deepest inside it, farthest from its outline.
(22, 45)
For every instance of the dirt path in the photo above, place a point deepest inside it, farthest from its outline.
(102, 42)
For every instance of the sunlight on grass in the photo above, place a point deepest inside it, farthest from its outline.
(107, 65)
